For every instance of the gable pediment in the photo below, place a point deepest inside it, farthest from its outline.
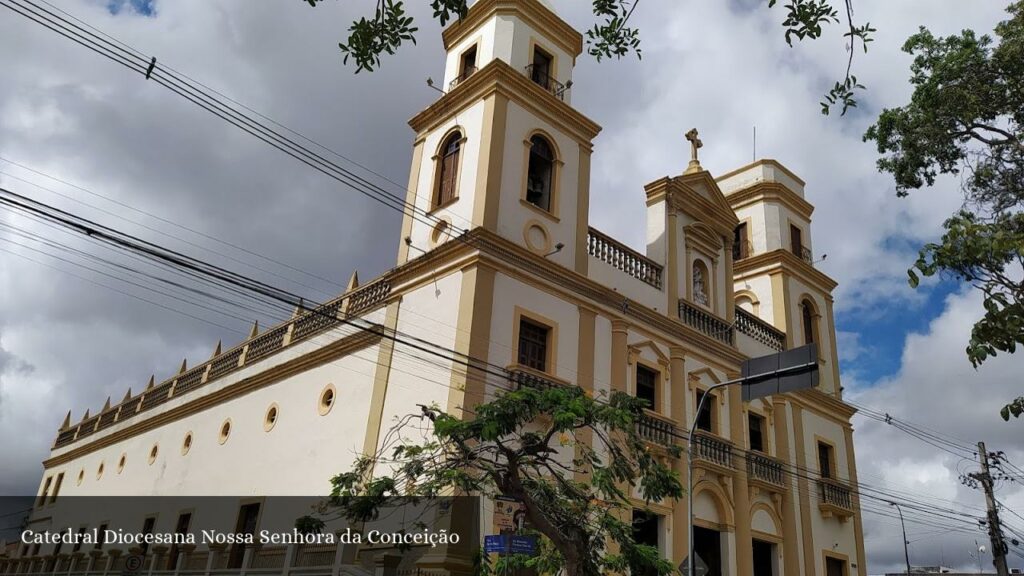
(698, 196)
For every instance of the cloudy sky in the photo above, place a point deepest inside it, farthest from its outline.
(153, 164)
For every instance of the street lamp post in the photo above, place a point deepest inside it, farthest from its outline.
(906, 552)
(750, 379)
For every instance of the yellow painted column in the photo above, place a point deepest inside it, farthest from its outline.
(730, 298)
(740, 491)
(804, 491)
(677, 383)
(410, 200)
(620, 359)
(620, 354)
(492, 159)
(858, 527)
(790, 554)
(585, 373)
(583, 211)
(381, 377)
(476, 300)
(672, 259)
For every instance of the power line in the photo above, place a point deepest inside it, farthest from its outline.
(195, 94)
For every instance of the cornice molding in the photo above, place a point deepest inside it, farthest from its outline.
(770, 192)
(824, 404)
(498, 77)
(532, 12)
(763, 162)
(682, 197)
(789, 263)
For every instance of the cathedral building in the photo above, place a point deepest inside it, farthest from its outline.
(498, 262)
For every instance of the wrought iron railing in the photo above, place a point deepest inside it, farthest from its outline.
(765, 469)
(621, 257)
(705, 322)
(466, 73)
(804, 253)
(542, 78)
(712, 449)
(760, 330)
(835, 494)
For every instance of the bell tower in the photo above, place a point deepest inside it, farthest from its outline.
(775, 277)
(503, 148)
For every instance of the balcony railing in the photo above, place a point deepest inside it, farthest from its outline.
(543, 79)
(835, 498)
(804, 253)
(621, 257)
(712, 449)
(760, 330)
(526, 379)
(469, 71)
(765, 469)
(657, 429)
(649, 426)
(705, 322)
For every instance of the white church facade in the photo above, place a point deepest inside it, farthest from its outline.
(499, 263)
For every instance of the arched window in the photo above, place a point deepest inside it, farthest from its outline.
(807, 319)
(448, 170)
(701, 280)
(540, 173)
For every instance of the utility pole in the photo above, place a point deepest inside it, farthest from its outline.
(995, 532)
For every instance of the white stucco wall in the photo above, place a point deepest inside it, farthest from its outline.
(459, 214)
(515, 216)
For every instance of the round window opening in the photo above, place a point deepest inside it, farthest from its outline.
(153, 452)
(327, 398)
(271, 418)
(225, 431)
(99, 471)
(121, 463)
(440, 232)
(186, 444)
(81, 476)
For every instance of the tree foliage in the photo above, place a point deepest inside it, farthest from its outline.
(529, 444)
(965, 118)
(611, 36)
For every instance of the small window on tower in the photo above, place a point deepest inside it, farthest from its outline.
(448, 170)
(468, 65)
(740, 243)
(795, 240)
(533, 345)
(540, 173)
(826, 461)
(807, 320)
(647, 386)
(756, 426)
(540, 70)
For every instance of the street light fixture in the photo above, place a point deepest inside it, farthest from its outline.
(906, 552)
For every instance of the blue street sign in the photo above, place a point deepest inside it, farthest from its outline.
(524, 545)
(496, 543)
